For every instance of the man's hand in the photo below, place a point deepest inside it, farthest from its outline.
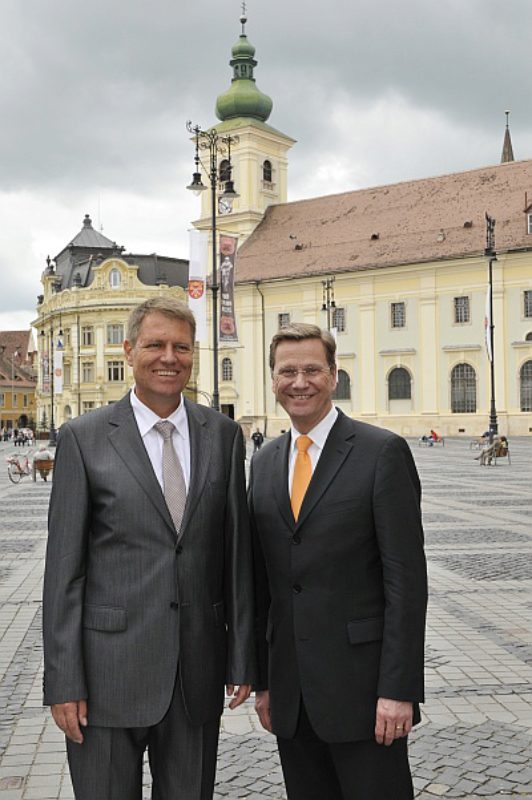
(262, 707)
(69, 717)
(238, 693)
(394, 720)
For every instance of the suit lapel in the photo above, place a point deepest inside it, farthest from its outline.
(337, 448)
(280, 480)
(200, 455)
(127, 441)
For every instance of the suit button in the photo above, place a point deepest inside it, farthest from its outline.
(174, 605)
(297, 588)
(179, 549)
(296, 538)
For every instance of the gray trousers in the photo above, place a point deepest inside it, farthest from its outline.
(108, 765)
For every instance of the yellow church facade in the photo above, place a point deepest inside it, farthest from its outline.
(402, 273)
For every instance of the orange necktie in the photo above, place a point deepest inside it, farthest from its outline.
(302, 474)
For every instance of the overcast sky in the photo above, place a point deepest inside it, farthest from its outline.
(94, 97)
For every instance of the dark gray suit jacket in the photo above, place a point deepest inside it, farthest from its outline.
(126, 597)
(341, 593)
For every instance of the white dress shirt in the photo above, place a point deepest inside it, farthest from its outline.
(153, 441)
(319, 435)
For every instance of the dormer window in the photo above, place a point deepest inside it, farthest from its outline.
(267, 171)
(115, 279)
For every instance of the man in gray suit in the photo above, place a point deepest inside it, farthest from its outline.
(148, 585)
(341, 585)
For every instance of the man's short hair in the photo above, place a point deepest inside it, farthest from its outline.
(297, 332)
(169, 306)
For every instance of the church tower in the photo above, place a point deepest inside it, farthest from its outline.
(258, 155)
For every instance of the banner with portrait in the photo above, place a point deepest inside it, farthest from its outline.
(58, 367)
(228, 332)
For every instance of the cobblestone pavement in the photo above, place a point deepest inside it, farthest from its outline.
(475, 740)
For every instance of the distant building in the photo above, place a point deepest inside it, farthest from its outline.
(398, 271)
(17, 379)
(88, 292)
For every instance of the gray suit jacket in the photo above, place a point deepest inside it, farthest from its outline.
(341, 593)
(126, 596)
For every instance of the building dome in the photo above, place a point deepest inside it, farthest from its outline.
(243, 98)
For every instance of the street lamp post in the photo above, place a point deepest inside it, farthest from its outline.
(328, 304)
(492, 257)
(53, 433)
(213, 144)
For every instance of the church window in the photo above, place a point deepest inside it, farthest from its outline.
(399, 384)
(338, 319)
(463, 389)
(267, 171)
(461, 309)
(398, 315)
(227, 369)
(528, 303)
(343, 386)
(526, 386)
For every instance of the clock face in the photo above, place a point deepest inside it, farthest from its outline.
(225, 206)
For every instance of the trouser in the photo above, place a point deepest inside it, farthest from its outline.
(317, 770)
(182, 757)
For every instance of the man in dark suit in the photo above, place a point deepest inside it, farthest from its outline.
(341, 586)
(148, 581)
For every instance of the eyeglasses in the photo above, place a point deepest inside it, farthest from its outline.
(291, 373)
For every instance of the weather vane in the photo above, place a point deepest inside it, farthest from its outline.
(243, 18)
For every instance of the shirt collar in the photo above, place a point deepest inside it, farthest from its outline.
(146, 418)
(319, 432)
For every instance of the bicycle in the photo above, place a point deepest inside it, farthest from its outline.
(17, 470)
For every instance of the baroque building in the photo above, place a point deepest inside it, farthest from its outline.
(399, 272)
(89, 290)
(17, 380)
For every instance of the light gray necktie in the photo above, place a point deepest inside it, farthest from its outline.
(175, 491)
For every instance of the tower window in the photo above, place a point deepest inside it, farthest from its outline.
(267, 171)
(225, 171)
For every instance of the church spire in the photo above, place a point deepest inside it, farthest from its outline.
(243, 98)
(507, 149)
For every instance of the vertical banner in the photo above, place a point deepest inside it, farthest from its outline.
(487, 324)
(58, 367)
(197, 273)
(45, 365)
(228, 332)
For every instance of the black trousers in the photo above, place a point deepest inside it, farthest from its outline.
(317, 770)
(108, 765)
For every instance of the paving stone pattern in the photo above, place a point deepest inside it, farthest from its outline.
(475, 740)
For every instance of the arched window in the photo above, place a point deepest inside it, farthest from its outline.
(525, 380)
(227, 369)
(267, 171)
(115, 279)
(399, 384)
(528, 337)
(343, 386)
(225, 171)
(463, 389)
